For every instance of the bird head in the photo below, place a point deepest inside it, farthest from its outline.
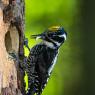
(55, 35)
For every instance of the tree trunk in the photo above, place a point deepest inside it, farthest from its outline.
(11, 42)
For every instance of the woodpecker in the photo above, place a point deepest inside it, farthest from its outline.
(43, 57)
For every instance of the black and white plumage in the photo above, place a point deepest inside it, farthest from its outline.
(42, 58)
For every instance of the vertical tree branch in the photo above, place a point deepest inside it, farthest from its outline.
(11, 44)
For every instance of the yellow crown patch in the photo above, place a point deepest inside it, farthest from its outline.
(54, 28)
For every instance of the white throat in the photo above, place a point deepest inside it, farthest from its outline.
(50, 44)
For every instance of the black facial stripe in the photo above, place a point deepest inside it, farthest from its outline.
(50, 40)
(56, 33)
(58, 39)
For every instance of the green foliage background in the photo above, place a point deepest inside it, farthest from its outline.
(72, 75)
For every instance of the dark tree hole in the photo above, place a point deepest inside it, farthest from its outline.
(8, 42)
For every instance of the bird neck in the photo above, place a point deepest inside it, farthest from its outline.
(50, 45)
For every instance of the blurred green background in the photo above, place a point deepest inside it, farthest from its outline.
(74, 73)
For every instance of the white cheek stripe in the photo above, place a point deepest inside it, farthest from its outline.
(64, 35)
(58, 44)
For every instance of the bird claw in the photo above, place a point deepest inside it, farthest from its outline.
(26, 43)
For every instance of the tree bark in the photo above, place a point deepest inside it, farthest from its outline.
(11, 41)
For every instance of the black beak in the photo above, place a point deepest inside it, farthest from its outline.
(38, 36)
